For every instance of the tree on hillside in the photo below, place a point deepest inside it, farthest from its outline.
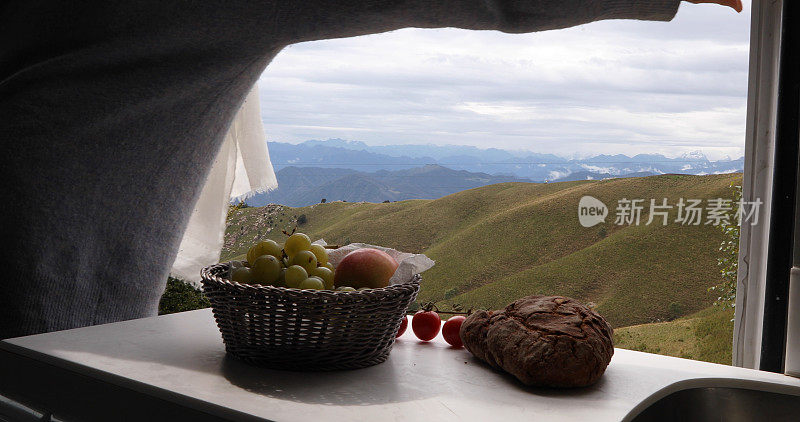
(728, 261)
(181, 296)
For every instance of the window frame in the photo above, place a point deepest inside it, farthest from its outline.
(770, 175)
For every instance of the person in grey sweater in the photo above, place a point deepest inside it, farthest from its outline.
(111, 114)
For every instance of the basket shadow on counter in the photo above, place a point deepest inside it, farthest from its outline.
(345, 387)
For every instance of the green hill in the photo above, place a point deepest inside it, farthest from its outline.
(706, 335)
(500, 242)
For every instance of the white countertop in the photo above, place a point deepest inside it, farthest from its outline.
(181, 356)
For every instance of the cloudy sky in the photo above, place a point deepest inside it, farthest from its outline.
(607, 87)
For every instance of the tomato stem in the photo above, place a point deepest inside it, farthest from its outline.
(445, 312)
(431, 306)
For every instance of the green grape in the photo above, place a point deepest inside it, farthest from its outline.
(330, 266)
(296, 243)
(271, 247)
(325, 274)
(314, 283)
(281, 278)
(364, 288)
(266, 247)
(252, 254)
(242, 275)
(285, 262)
(345, 289)
(305, 259)
(266, 269)
(295, 275)
(321, 254)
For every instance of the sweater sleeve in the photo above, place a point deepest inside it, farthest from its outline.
(322, 19)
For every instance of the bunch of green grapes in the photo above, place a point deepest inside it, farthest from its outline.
(295, 264)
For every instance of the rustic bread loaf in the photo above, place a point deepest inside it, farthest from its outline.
(549, 341)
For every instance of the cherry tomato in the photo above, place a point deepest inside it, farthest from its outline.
(450, 330)
(403, 326)
(426, 325)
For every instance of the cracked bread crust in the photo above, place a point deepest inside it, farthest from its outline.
(546, 341)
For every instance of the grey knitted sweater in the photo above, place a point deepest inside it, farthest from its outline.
(111, 114)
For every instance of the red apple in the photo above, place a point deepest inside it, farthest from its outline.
(365, 267)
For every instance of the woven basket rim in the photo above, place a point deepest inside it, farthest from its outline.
(211, 274)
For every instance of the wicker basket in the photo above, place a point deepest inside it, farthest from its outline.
(306, 330)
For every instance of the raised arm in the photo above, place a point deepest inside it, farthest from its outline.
(735, 4)
(321, 19)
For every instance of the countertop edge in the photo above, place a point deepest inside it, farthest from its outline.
(130, 384)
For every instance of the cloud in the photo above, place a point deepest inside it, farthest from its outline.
(610, 87)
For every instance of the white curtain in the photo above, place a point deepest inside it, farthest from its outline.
(241, 169)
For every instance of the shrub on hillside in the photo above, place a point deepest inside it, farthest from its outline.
(729, 259)
(674, 311)
(181, 296)
(232, 208)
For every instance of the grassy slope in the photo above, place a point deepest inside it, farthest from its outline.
(500, 242)
(704, 336)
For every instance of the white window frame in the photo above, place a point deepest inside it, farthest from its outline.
(765, 37)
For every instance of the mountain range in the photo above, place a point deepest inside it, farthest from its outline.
(342, 170)
(538, 167)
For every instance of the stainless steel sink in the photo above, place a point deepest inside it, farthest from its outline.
(722, 404)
